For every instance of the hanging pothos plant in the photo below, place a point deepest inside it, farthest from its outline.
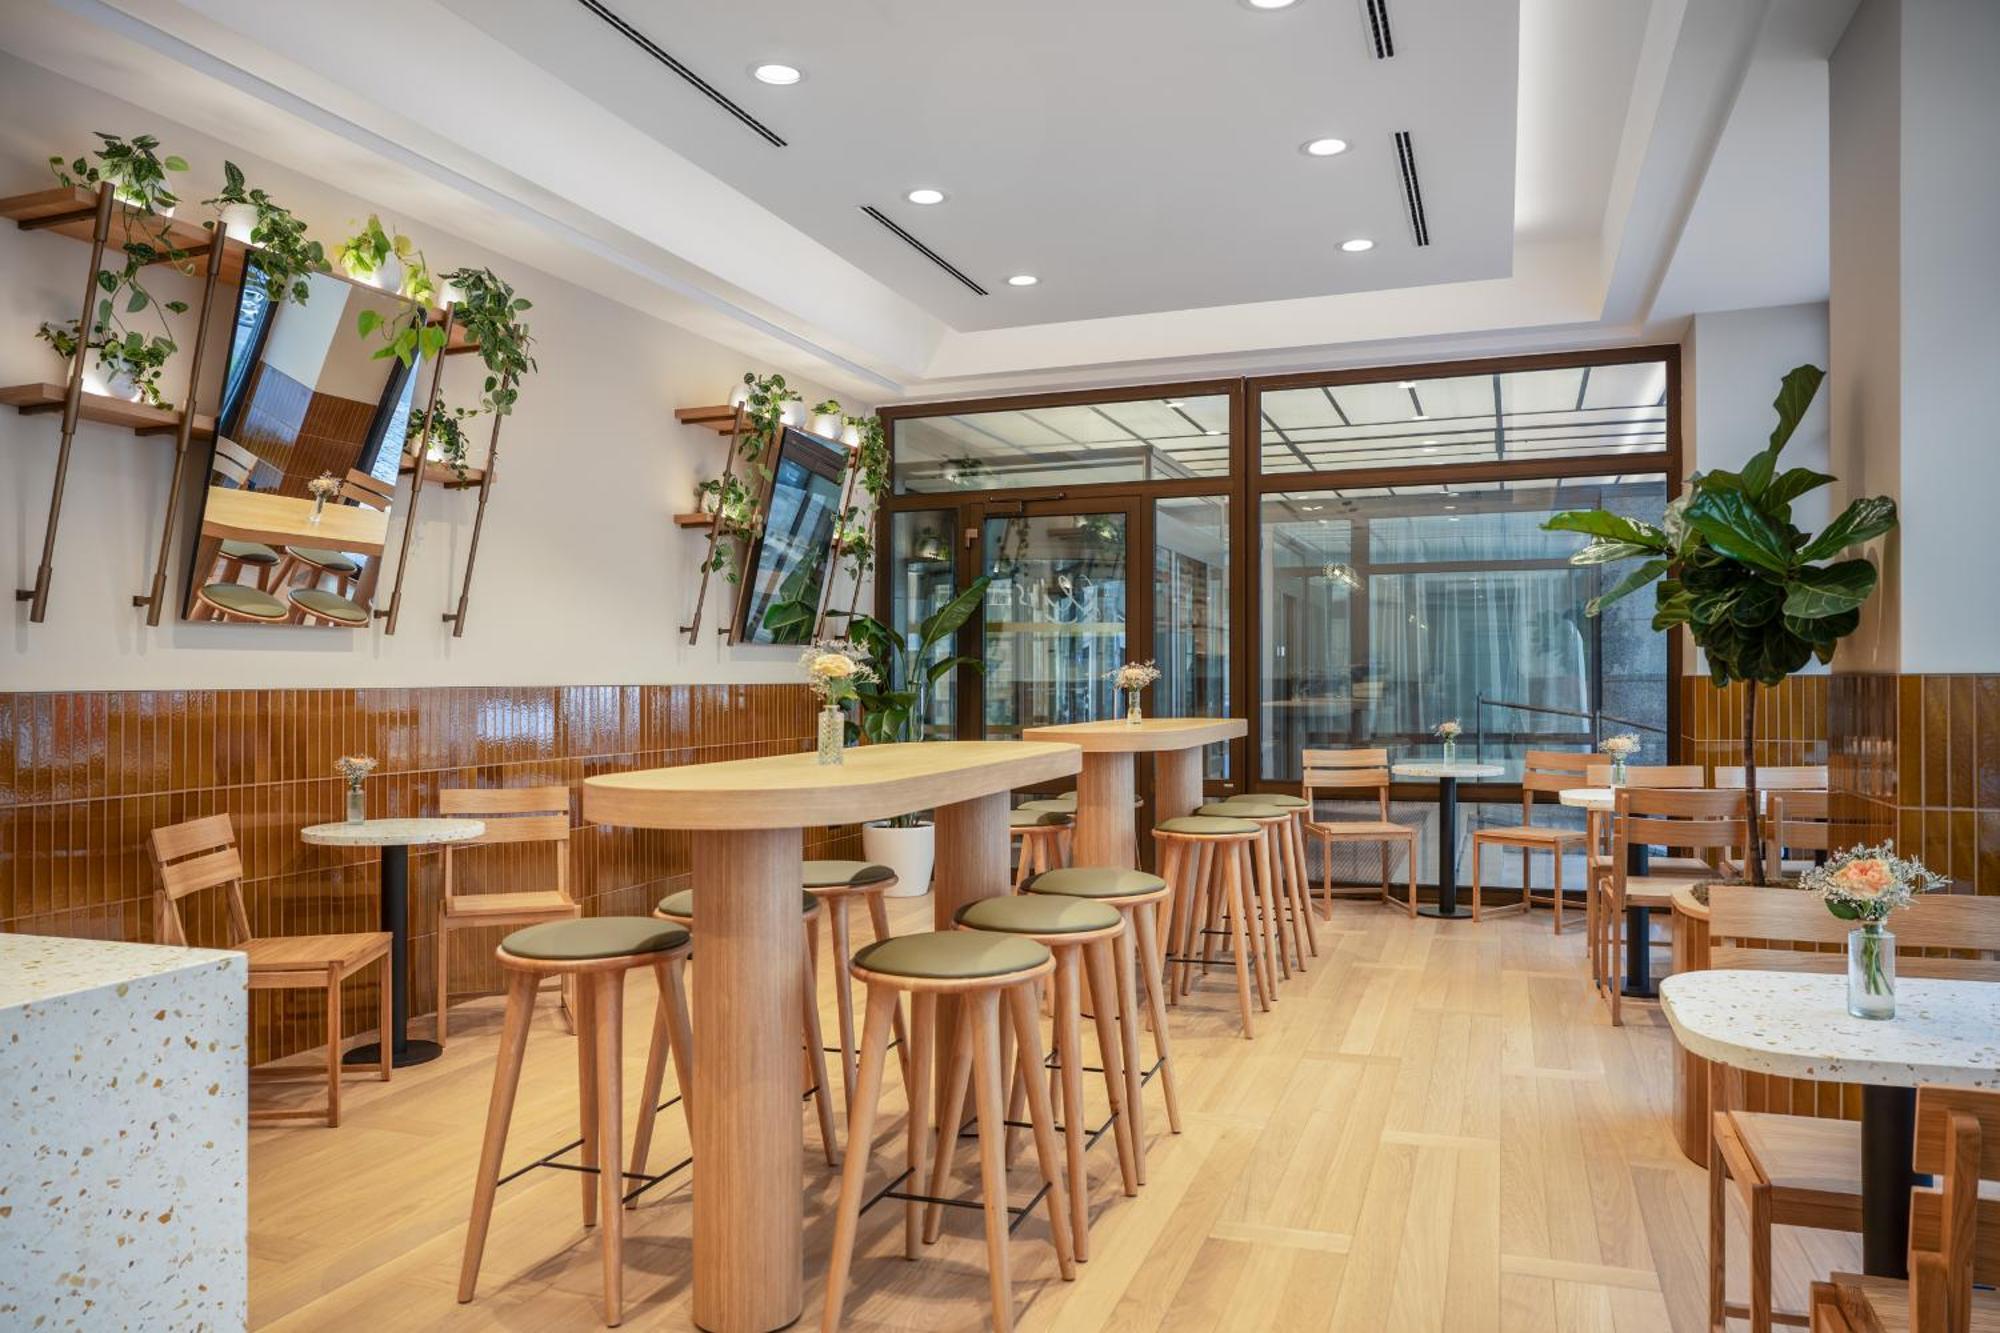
(442, 430)
(137, 174)
(737, 516)
(490, 313)
(285, 256)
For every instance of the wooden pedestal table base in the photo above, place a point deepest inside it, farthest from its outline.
(747, 817)
(1105, 830)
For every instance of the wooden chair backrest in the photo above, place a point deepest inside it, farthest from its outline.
(362, 488)
(1651, 775)
(511, 815)
(1796, 821)
(1350, 771)
(1775, 777)
(187, 858)
(1554, 770)
(1698, 820)
(1757, 928)
(1954, 1233)
(232, 462)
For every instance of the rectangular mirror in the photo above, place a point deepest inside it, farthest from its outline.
(789, 562)
(308, 444)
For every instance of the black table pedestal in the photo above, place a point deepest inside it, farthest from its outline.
(1888, 1138)
(1446, 907)
(396, 920)
(1639, 933)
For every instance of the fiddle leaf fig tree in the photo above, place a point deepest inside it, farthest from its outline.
(1761, 597)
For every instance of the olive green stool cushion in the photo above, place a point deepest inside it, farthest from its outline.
(1039, 914)
(1205, 825)
(249, 553)
(1283, 800)
(1096, 882)
(243, 600)
(1241, 810)
(329, 606)
(1051, 805)
(583, 939)
(682, 904)
(952, 955)
(333, 562)
(845, 874)
(1025, 818)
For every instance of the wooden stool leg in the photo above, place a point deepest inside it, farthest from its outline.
(917, 1082)
(1123, 950)
(443, 947)
(951, 1117)
(333, 1051)
(499, 1113)
(878, 918)
(854, 1172)
(1556, 855)
(1718, 1233)
(1069, 1068)
(586, 1093)
(1302, 884)
(610, 1041)
(1028, 1038)
(672, 1036)
(1477, 861)
(385, 1020)
(843, 993)
(1099, 960)
(1145, 920)
(1268, 932)
(982, 1008)
(1233, 875)
(815, 1049)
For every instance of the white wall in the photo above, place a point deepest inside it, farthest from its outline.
(582, 578)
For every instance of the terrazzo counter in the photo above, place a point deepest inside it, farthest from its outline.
(124, 1097)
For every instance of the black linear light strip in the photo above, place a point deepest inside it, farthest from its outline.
(1413, 190)
(924, 250)
(701, 85)
(1377, 12)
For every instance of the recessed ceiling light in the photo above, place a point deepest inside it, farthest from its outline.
(1357, 245)
(1206, 431)
(1023, 280)
(925, 195)
(1175, 402)
(1406, 384)
(1323, 147)
(778, 74)
(1423, 416)
(1270, 4)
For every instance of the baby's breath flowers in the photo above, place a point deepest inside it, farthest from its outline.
(833, 670)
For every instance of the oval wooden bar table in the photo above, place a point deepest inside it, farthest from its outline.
(1105, 832)
(747, 818)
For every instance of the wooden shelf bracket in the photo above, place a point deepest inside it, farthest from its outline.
(715, 534)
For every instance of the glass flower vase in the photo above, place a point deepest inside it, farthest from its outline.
(832, 735)
(1871, 972)
(319, 508)
(1618, 770)
(357, 805)
(1133, 714)
(1451, 752)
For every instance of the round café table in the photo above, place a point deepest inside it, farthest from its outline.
(1796, 1024)
(1446, 777)
(395, 837)
(1106, 834)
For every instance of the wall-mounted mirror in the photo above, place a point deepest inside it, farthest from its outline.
(309, 440)
(789, 563)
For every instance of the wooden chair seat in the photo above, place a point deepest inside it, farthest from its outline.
(1656, 891)
(1856, 1303)
(495, 906)
(1362, 830)
(1810, 1161)
(314, 953)
(1530, 835)
(1543, 773)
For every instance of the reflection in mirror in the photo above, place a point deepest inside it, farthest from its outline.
(792, 558)
(295, 512)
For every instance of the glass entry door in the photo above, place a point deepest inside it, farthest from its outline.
(1055, 613)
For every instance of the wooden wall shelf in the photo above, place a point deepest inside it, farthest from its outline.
(720, 419)
(437, 473)
(71, 211)
(136, 417)
(694, 520)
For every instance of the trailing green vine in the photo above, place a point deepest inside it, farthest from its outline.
(285, 257)
(443, 428)
(490, 314)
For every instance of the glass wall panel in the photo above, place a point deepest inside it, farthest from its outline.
(1191, 614)
(1506, 415)
(1149, 439)
(1389, 610)
(1055, 619)
(922, 579)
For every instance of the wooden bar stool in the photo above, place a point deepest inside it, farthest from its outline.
(596, 953)
(1268, 865)
(1208, 860)
(1138, 897)
(1079, 933)
(1298, 884)
(981, 971)
(836, 884)
(679, 909)
(1044, 836)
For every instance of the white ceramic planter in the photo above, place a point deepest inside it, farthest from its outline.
(910, 852)
(120, 384)
(238, 220)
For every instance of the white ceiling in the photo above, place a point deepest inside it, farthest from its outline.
(1135, 155)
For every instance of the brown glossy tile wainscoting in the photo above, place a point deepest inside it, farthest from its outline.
(1791, 722)
(85, 777)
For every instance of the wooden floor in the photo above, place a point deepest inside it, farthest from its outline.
(1436, 1128)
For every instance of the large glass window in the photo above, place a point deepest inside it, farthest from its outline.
(922, 580)
(1147, 439)
(1055, 618)
(1191, 613)
(1388, 610)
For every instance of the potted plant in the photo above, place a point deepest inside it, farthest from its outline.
(1864, 885)
(895, 706)
(375, 256)
(129, 363)
(138, 175)
(441, 433)
(490, 313)
(285, 255)
(1761, 597)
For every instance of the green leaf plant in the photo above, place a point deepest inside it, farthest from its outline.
(894, 705)
(489, 312)
(1730, 565)
(285, 256)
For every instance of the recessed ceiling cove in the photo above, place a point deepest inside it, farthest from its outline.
(1136, 156)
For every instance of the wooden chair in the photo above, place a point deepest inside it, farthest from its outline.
(1774, 777)
(1652, 777)
(1794, 1170)
(1541, 771)
(1796, 821)
(511, 815)
(1353, 772)
(1694, 820)
(1954, 1232)
(234, 465)
(201, 854)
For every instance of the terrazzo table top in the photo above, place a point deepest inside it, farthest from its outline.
(1421, 769)
(393, 832)
(1797, 1024)
(34, 968)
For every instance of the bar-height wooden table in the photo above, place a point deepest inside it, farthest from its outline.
(747, 817)
(1105, 832)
